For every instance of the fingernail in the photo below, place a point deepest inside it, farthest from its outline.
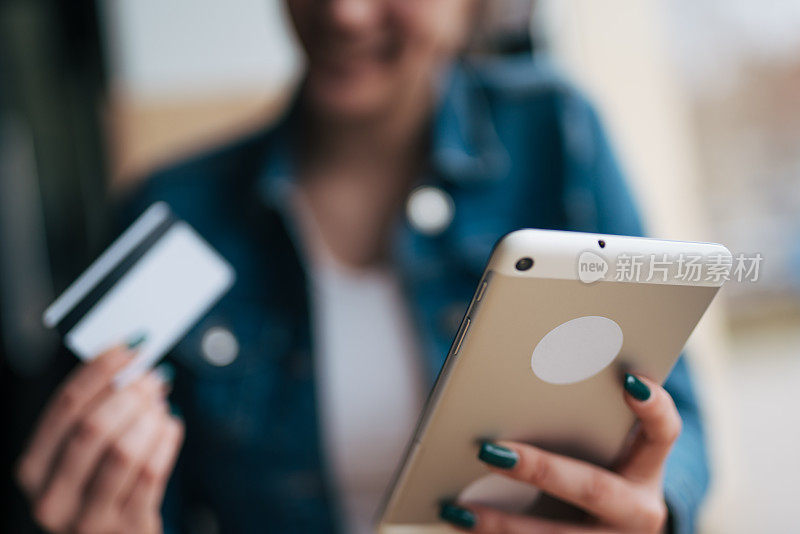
(455, 515)
(498, 456)
(136, 340)
(637, 389)
(165, 372)
(176, 411)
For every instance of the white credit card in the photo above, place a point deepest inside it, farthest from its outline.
(157, 279)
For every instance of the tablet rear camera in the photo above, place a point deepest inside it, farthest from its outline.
(523, 264)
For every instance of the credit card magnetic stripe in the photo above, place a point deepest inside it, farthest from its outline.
(141, 227)
(125, 264)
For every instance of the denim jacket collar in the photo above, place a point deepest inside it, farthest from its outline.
(465, 147)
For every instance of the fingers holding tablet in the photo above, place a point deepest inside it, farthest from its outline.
(485, 520)
(627, 499)
(660, 426)
(604, 494)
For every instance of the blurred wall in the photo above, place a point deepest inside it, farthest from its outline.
(701, 99)
(617, 51)
(188, 73)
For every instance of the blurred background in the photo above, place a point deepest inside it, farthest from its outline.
(701, 97)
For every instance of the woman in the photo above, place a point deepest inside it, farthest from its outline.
(358, 227)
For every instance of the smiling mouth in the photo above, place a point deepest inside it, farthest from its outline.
(356, 58)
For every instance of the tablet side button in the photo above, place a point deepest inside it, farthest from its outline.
(461, 335)
(476, 299)
(481, 291)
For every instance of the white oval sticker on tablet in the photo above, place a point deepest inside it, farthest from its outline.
(576, 350)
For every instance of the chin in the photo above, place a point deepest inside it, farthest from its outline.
(346, 98)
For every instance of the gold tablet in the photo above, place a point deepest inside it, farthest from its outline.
(555, 322)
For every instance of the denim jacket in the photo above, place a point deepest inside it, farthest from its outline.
(513, 146)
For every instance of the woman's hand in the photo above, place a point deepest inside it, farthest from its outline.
(100, 456)
(630, 499)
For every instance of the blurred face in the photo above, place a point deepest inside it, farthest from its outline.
(364, 56)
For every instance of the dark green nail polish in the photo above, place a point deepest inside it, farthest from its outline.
(636, 388)
(137, 340)
(455, 515)
(498, 456)
(166, 373)
(176, 411)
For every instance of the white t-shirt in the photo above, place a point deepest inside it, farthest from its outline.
(368, 373)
